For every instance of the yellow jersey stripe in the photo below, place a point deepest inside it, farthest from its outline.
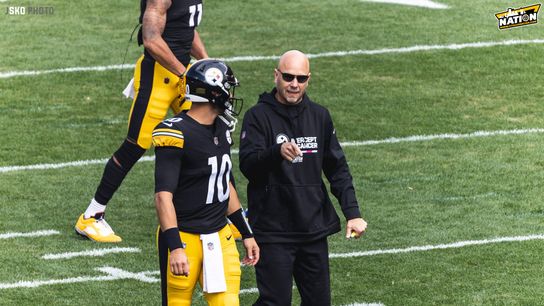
(168, 141)
(167, 134)
(168, 130)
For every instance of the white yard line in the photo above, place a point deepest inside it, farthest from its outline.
(90, 253)
(415, 138)
(140, 276)
(253, 58)
(112, 274)
(78, 163)
(29, 234)
(454, 245)
(146, 276)
(11, 74)
(39, 283)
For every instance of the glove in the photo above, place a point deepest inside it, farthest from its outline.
(181, 86)
(180, 104)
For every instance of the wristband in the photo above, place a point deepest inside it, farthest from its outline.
(173, 240)
(237, 218)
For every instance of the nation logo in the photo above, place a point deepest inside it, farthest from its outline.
(518, 17)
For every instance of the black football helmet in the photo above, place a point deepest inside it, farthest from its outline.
(211, 80)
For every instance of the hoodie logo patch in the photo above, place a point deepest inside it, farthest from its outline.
(281, 138)
(307, 144)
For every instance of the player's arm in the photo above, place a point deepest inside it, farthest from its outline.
(179, 264)
(153, 25)
(167, 167)
(198, 50)
(234, 213)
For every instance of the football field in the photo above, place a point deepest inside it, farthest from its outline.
(441, 115)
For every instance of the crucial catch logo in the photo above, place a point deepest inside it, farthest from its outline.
(518, 17)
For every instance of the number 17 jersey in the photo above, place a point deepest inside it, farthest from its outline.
(193, 163)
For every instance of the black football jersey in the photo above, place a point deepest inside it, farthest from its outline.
(182, 18)
(198, 175)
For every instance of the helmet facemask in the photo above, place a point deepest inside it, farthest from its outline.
(231, 106)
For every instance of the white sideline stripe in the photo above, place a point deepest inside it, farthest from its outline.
(90, 253)
(253, 58)
(415, 138)
(29, 234)
(454, 245)
(145, 276)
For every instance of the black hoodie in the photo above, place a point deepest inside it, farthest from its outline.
(289, 202)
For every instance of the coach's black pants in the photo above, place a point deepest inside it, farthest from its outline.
(307, 262)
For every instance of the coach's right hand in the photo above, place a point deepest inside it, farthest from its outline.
(290, 150)
(179, 263)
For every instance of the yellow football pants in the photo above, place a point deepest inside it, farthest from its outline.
(178, 290)
(156, 90)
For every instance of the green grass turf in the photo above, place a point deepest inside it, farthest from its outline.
(419, 193)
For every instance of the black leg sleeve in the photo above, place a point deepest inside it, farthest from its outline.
(127, 155)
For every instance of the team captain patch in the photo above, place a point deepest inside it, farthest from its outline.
(163, 137)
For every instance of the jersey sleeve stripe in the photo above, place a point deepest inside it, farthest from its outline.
(168, 141)
(169, 131)
(180, 136)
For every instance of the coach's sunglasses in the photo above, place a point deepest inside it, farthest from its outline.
(287, 77)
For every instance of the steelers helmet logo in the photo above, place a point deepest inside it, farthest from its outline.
(281, 138)
(214, 76)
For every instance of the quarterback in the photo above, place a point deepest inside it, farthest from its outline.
(194, 193)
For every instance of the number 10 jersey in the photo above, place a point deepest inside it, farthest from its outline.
(193, 163)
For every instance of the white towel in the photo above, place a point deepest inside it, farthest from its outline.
(129, 90)
(212, 264)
